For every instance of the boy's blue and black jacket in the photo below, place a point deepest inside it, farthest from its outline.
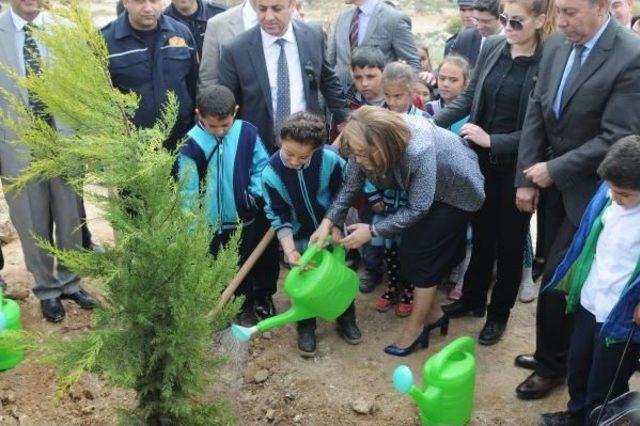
(573, 271)
(229, 169)
(297, 199)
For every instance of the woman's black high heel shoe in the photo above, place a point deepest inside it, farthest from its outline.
(422, 339)
(442, 324)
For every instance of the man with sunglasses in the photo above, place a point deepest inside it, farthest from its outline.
(587, 97)
(470, 41)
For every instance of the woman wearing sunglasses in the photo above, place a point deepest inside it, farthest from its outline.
(497, 100)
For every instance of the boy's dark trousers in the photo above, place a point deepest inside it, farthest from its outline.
(247, 244)
(592, 365)
(267, 268)
(349, 316)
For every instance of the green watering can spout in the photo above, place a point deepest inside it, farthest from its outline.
(321, 285)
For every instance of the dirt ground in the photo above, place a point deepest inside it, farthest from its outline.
(268, 382)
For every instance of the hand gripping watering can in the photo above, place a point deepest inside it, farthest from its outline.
(449, 382)
(322, 285)
(9, 320)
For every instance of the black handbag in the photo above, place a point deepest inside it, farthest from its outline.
(623, 410)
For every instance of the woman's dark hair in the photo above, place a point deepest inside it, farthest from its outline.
(305, 128)
(621, 165)
(215, 100)
(364, 57)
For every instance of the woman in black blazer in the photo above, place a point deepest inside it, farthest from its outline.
(496, 98)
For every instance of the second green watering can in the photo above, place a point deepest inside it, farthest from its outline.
(321, 285)
(449, 382)
(9, 321)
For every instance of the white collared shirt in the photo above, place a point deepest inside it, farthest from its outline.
(271, 55)
(249, 16)
(19, 24)
(617, 253)
(366, 10)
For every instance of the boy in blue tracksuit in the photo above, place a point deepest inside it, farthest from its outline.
(601, 276)
(225, 157)
(300, 182)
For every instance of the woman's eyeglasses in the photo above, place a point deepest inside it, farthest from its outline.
(515, 24)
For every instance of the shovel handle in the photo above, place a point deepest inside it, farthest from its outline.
(245, 268)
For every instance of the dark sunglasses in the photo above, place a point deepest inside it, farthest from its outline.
(513, 23)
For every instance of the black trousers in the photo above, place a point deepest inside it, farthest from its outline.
(592, 365)
(499, 233)
(267, 268)
(553, 325)
(540, 220)
(247, 244)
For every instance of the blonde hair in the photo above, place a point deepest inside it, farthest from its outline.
(381, 134)
(537, 8)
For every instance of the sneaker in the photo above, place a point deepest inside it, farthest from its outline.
(264, 307)
(528, 292)
(306, 342)
(369, 281)
(405, 307)
(387, 299)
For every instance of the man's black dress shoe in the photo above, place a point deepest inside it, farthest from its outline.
(82, 298)
(561, 418)
(537, 387)
(526, 361)
(264, 307)
(491, 332)
(52, 309)
(458, 309)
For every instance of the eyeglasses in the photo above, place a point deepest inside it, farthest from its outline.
(515, 24)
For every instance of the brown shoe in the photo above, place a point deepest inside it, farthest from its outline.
(526, 361)
(537, 387)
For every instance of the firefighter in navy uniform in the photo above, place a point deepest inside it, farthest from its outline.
(194, 14)
(152, 54)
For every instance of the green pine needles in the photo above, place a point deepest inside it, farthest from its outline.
(159, 282)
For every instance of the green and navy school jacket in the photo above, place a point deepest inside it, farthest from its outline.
(297, 199)
(228, 169)
(571, 275)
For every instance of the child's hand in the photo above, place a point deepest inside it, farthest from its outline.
(636, 315)
(293, 257)
(378, 207)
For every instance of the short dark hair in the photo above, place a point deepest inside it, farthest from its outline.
(621, 165)
(364, 57)
(491, 6)
(305, 128)
(215, 100)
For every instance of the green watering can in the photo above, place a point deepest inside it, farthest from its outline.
(9, 320)
(321, 285)
(449, 381)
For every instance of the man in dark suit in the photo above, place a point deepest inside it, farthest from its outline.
(469, 42)
(587, 97)
(276, 69)
(250, 67)
(465, 9)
